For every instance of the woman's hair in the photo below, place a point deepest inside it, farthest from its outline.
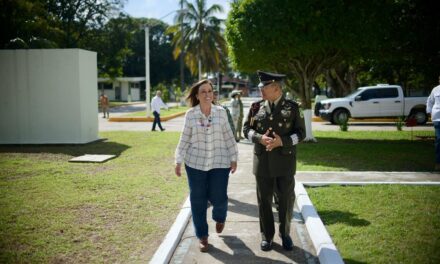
(192, 96)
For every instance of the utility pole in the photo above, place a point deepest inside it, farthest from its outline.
(147, 70)
(182, 52)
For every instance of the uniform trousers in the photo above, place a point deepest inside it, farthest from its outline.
(286, 197)
(204, 186)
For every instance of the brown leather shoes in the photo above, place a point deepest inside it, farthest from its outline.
(219, 227)
(203, 244)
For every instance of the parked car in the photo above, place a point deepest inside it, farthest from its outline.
(378, 101)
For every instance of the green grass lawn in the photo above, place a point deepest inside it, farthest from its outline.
(366, 151)
(54, 211)
(382, 223)
(163, 112)
(119, 211)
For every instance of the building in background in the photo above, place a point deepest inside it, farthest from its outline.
(122, 88)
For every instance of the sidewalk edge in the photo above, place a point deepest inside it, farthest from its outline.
(165, 251)
(321, 240)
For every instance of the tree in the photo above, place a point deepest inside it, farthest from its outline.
(53, 23)
(301, 38)
(75, 18)
(26, 24)
(203, 41)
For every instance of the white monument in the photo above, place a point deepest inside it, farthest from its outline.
(48, 96)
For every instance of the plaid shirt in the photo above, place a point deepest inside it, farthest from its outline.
(206, 142)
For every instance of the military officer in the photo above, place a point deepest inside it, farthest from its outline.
(275, 126)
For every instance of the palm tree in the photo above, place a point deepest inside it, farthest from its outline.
(202, 37)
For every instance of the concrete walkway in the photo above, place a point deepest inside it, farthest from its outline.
(240, 240)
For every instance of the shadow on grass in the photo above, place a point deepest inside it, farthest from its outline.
(351, 261)
(97, 147)
(367, 154)
(336, 216)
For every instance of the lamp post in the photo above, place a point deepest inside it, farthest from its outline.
(147, 64)
(147, 70)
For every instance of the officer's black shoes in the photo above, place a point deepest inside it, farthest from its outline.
(266, 245)
(287, 242)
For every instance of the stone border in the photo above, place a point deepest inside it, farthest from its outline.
(321, 240)
(143, 119)
(323, 183)
(165, 251)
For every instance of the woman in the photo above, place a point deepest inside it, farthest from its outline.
(207, 147)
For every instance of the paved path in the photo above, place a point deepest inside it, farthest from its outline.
(176, 124)
(240, 240)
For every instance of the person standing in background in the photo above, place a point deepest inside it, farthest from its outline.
(103, 100)
(240, 118)
(156, 105)
(231, 122)
(235, 112)
(433, 108)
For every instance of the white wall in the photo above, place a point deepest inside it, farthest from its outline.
(48, 96)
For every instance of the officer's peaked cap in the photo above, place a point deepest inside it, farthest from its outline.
(266, 77)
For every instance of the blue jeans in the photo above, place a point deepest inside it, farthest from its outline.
(437, 141)
(207, 186)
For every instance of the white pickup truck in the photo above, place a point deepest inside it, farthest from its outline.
(378, 101)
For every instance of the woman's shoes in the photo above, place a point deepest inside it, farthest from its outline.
(219, 227)
(203, 244)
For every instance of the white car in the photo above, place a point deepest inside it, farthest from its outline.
(378, 101)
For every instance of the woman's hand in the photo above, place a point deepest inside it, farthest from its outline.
(178, 169)
(233, 166)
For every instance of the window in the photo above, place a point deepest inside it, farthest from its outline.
(369, 94)
(106, 86)
(134, 85)
(388, 93)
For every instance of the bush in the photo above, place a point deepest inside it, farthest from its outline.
(343, 126)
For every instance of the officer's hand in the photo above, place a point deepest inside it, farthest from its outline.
(265, 139)
(233, 166)
(178, 170)
(276, 142)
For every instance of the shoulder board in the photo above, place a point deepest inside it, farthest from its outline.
(291, 103)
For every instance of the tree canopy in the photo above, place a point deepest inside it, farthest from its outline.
(301, 38)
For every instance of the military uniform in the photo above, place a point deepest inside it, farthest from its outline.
(275, 168)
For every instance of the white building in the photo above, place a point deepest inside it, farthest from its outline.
(121, 89)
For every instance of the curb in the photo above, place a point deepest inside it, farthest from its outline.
(321, 240)
(367, 120)
(143, 119)
(166, 249)
(323, 183)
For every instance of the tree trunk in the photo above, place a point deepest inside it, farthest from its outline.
(200, 69)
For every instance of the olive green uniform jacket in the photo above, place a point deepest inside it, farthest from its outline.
(287, 122)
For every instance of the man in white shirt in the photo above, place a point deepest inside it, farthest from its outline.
(433, 107)
(156, 105)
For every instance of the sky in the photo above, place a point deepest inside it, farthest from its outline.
(163, 8)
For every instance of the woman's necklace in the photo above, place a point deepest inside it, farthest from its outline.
(206, 115)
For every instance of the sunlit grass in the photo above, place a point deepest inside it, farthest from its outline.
(382, 223)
